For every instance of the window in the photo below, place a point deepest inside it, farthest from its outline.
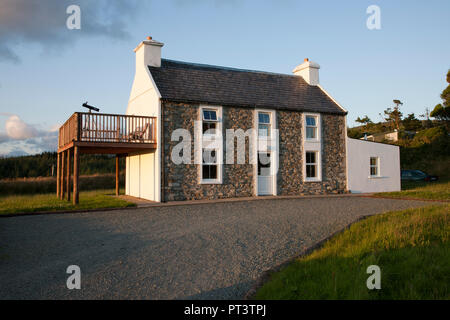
(374, 166)
(311, 127)
(210, 121)
(209, 164)
(311, 164)
(263, 124)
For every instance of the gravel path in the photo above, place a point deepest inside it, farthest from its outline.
(207, 251)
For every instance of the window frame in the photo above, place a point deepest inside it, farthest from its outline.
(206, 139)
(212, 163)
(210, 121)
(376, 166)
(315, 164)
(316, 127)
(268, 124)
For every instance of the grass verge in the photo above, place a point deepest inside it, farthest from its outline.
(429, 191)
(412, 248)
(99, 199)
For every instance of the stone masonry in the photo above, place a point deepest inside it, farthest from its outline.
(181, 182)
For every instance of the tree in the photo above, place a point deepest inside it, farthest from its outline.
(442, 111)
(445, 95)
(364, 120)
(411, 123)
(394, 115)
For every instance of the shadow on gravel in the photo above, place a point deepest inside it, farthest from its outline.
(39, 250)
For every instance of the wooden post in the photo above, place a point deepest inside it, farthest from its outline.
(117, 174)
(58, 173)
(63, 157)
(76, 173)
(68, 172)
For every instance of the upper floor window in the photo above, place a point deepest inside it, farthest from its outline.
(374, 166)
(210, 121)
(311, 127)
(264, 124)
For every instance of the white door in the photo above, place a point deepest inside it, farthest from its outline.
(265, 174)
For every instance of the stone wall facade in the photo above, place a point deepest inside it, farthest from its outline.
(182, 181)
(290, 179)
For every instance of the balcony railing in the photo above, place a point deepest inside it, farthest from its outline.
(104, 128)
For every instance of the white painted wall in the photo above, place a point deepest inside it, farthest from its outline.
(358, 166)
(143, 171)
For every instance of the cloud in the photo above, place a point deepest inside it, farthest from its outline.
(43, 22)
(23, 138)
(17, 129)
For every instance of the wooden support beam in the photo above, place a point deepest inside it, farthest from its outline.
(58, 173)
(76, 173)
(62, 193)
(117, 174)
(68, 173)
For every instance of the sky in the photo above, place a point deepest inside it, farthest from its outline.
(47, 70)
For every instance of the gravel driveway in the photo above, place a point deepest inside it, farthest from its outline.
(202, 251)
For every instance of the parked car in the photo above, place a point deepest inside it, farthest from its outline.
(417, 175)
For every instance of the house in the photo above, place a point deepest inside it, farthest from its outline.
(383, 136)
(223, 132)
(373, 166)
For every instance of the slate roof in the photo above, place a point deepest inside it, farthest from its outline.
(198, 83)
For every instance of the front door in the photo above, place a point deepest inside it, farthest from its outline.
(265, 174)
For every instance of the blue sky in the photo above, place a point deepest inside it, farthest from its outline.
(55, 69)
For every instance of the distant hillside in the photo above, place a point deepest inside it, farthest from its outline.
(40, 165)
(428, 151)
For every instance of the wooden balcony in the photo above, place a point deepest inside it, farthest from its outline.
(99, 133)
(107, 133)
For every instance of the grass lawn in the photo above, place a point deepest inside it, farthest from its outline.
(412, 248)
(418, 190)
(49, 202)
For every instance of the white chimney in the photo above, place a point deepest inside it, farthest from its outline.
(309, 71)
(148, 53)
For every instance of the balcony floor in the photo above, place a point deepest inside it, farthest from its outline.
(109, 147)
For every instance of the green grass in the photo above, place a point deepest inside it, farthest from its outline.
(421, 190)
(49, 202)
(412, 248)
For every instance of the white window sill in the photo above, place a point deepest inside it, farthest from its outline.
(207, 181)
(377, 177)
(312, 180)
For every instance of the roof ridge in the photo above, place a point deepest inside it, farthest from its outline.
(211, 66)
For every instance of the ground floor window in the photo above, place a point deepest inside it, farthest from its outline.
(209, 164)
(374, 166)
(311, 164)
